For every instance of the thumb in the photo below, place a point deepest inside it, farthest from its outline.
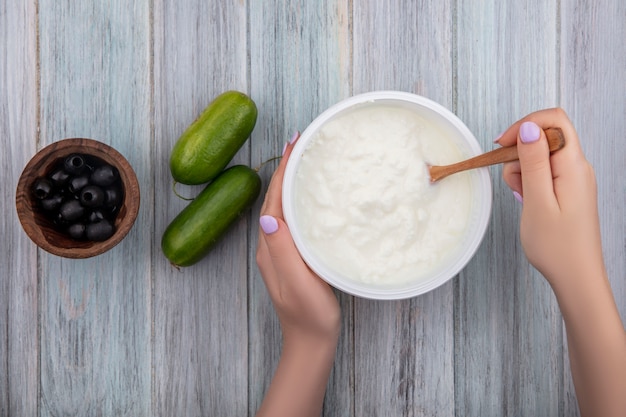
(534, 158)
(283, 252)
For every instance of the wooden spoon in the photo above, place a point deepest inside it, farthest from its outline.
(505, 154)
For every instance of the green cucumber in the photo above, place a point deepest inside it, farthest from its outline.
(212, 140)
(190, 236)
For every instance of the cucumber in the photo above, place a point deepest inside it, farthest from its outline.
(211, 141)
(190, 236)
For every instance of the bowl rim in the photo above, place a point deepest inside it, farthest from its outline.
(103, 151)
(362, 290)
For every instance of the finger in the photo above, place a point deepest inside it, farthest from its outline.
(534, 159)
(555, 117)
(264, 262)
(273, 198)
(512, 175)
(288, 264)
(263, 256)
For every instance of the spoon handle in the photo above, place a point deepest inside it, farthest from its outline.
(556, 141)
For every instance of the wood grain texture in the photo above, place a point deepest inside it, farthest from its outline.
(95, 337)
(19, 369)
(404, 356)
(126, 334)
(508, 343)
(593, 91)
(299, 65)
(200, 325)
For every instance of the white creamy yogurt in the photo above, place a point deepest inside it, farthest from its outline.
(363, 198)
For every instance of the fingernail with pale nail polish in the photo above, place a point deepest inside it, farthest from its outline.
(529, 132)
(268, 224)
(496, 140)
(518, 197)
(285, 148)
(295, 136)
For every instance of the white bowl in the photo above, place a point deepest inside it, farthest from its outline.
(480, 206)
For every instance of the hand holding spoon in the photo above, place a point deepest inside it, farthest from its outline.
(505, 154)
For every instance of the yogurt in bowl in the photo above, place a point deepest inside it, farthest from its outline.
(359, 203)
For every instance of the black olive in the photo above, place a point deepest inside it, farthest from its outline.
(92, 196)
(42, 188)
(76, 231)
(104, 175)
(71, 210)
(75, 164)
(95, 216)
(112, 196)
(58, 219)
(77, 183)
(99, 231)
(59, 177)
(52, 203)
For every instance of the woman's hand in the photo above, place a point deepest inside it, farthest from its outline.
(306, 306)
(560, 233)
(559, 229)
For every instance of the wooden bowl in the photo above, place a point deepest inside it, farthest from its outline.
(42, 231)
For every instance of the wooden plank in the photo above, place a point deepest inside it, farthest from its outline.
(593, 87)
(95, 313)
(508, 328)
(200, 312)
(404, 349)
(300, 64)
(493, 62)
(18, 256)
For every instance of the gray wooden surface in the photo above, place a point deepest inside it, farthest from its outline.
(125, 334)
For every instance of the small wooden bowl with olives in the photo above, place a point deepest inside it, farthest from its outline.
(77, 198)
